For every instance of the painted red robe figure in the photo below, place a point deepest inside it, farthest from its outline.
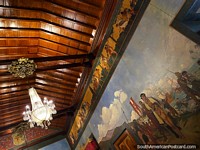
(92, 145)
(135, 106)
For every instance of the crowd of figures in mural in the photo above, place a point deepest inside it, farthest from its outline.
(160, 119)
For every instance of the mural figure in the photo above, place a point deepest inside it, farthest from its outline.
(92, 143)
(104, 62)
(110, 51)
(183, 83)
(126, 14)
(166, 119)
(122, 22)
(192, 81)
(96, 79)
(171, 111)
(144, 134)
(154, 120)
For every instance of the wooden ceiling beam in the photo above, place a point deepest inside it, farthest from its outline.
(14, 107)
(14, 94)
(16, 56)
(14, 99)
(49, 90)
(68, 46)
(14, 121)
(89, 56)
(17, 88)
(66, 100)
(56, 80)
(63, 66)
(53, 94)
(42, 36)
(84, 64)
(53, 13)
(76, 10)
(62, 75)
(70, 72)
(10, 119)
(39, 29)
(16, 83)
(48, 22)
(54, 89)
(69, 80)
(11, 78)
(87, 3)
(76, 70)
(58, 86)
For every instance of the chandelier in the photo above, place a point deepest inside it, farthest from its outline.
(41, 112)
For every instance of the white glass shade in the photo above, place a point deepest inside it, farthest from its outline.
(41, 112)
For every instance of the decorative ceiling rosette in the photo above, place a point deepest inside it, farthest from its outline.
(22, 68)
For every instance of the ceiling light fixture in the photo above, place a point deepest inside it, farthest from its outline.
(41, 113)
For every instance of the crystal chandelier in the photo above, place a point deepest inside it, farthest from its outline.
(41, 112)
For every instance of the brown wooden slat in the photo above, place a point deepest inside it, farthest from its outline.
(11, 122)
(56, 85)
(53, 94)
(95, 3)
(51, 24)
(62, 75)
(53, 89)
(74, 10)
(16, 56)
(47, 78)
(16, 83)
(66, 103)
(17, 88)
(14, 94)
(53, 58)
(14, 99)
(55, 75)
(50, 90)
(14, 107)
(48, 7)
(7, 120)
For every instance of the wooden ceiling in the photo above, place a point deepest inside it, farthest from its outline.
(63, 38)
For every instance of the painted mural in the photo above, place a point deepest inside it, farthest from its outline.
(129, 9)
(155, 88)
